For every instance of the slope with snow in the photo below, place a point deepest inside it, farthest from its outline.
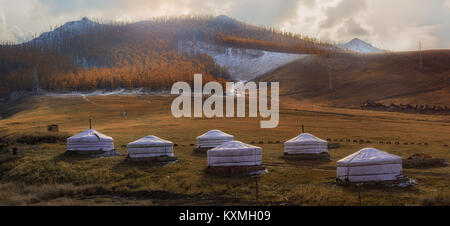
(242, 64)
(69, 28)
(360, 46)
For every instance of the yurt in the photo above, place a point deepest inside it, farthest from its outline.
(212, 139)
(151, 147)
(306, 146)
(90, 142)
(369, 165)
(235, 156)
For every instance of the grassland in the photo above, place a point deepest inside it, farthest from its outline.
(41, 174)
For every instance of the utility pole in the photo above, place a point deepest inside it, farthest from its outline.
(420, 56)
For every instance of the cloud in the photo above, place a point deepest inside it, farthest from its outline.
(351, 28)
(396, 25)
(344, 10)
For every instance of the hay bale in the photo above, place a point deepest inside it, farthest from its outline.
(53, 128)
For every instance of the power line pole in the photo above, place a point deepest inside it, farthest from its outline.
(420, 56)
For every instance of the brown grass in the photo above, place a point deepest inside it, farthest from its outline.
(295, 183)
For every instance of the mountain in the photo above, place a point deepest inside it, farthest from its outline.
(85, 55)
(69, 29)
(360, 46)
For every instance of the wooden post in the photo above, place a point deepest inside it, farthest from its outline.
(90, 123)
(256, 192)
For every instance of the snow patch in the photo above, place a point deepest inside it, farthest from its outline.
(360, 46)
(242, 64)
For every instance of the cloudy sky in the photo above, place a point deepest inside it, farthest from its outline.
(394, 25)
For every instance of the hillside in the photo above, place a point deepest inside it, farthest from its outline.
(355, 79)
(242, 64)
(87, 55)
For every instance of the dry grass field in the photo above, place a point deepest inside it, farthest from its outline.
(41, 174)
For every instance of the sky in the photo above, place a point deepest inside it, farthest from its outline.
(396, 25)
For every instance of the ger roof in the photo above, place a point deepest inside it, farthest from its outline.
(214, 134)
(150, 141)
(369, 156)
(305, 137)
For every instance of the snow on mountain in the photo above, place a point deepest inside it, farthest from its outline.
(242, 64)
(360, 46)
(69, 28)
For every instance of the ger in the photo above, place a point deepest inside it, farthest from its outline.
(215, 90)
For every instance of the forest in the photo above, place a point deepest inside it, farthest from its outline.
(88, 55)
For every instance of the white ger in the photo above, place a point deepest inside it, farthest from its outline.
(213, 138)
(90, 141)
(150, 146)
(369, 165)
(234, 153)
(305, 143)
